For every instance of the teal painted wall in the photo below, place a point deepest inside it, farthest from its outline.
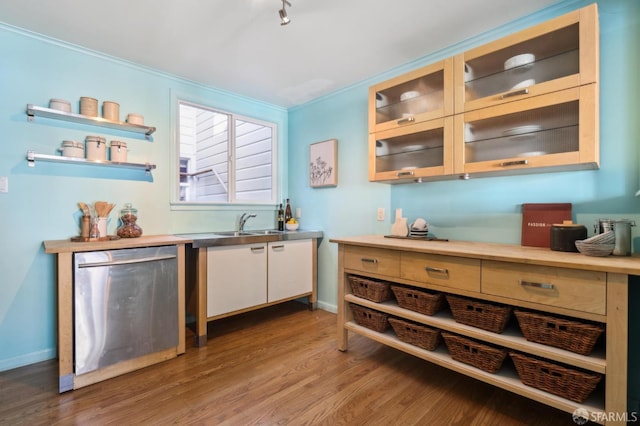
(41, 203)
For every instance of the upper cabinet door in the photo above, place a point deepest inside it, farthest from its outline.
(420, 95)
(548, 132)
(558, 54)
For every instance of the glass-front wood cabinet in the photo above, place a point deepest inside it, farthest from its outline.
(553, 130)
(558, 54)
(422, 150)
(526, 102)
(417, 96)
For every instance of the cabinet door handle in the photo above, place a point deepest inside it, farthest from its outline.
(368, 260)
(440, 271)
(257, 248)
(401, 174)
(515, 93)
(281, 246)
(514, 163)
(537, 285)
(410, 119)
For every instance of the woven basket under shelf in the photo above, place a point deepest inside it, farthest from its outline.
(479, 314)
(479, 355)
(416, 334)
(420, 301)
(370, 318)
(370, 289)
(565, 382)
(561, 333)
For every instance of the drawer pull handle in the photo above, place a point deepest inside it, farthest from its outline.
(514, 163)
(401, 174)
(515, 93)
(441, 271)
(281, 246)
(537, 285)
(406, 120)
(368, 260)
(257, 248)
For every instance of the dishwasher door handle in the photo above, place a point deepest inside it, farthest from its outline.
(127, 261)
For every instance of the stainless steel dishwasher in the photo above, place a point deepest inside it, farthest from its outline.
(125, 305)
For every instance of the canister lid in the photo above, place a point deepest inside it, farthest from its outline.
(95, 139)
(119, 144)
(73, 144)
(110, 102)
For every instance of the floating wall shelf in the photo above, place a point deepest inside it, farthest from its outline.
(32, 157)
(36, 111)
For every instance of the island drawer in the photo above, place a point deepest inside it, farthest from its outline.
(574, 289)
(372, 260)
(447, 271)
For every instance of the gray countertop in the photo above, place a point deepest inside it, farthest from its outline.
(212, 239)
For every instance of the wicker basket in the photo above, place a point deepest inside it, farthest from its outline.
(565, 382)
(416, 334)
(367, 288)
(418, 300)
(370, 318)
(484, 357)
(561, 333)
(479, 314)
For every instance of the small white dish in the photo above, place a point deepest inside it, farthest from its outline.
(522, 129)
(519, 60)
(532, 154)
(523, 84)
(409, 95)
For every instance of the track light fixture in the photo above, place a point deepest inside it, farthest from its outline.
(284, 19)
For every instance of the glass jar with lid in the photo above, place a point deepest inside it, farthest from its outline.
(128, 227)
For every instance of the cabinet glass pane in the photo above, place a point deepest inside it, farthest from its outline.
(542, 131)
(413, 151)
(408, 99)
(545, 58)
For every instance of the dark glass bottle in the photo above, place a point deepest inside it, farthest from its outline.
(280, 218)
(287, 212)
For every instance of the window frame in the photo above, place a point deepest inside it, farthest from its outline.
(232, 198)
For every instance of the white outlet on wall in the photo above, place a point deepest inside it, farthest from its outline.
(298, 212)
(380, 213)
(4, 184)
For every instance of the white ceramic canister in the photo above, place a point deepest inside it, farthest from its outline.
(60, 105)
(135, 119)
(96, 148)
(72, 149)
(89, 106)
(118, 151)
(111, 111)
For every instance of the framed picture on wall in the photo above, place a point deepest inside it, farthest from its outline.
(323, 163)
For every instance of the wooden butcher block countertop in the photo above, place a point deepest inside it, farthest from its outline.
(67, 246)
(502, 252)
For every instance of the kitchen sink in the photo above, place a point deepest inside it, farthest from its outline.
(234, 233)
(226, 238)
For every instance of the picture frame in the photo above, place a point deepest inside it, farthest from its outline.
(323, 163)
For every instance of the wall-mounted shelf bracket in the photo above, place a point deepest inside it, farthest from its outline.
(32, 157)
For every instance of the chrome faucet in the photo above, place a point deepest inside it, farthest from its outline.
(243, 220)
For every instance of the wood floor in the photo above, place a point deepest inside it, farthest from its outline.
(277, 366)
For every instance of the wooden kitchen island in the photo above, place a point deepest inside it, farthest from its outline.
(592, 290)
(65, 249)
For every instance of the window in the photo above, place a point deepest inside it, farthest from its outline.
(225, 158)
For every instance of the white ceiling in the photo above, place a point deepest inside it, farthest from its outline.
(240, 46)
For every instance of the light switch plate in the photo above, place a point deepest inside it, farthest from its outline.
(380, 213)
(4, 184)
